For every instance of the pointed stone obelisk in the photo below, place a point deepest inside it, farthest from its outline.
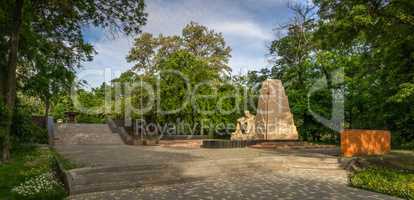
(274, 121)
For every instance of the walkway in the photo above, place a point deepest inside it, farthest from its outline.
(116, 171)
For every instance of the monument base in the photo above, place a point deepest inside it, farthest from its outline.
(245, 137)
(270, 137)
(365, 142)
(217, 143)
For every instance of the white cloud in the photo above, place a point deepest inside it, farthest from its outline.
(110, 59)
(246, 26)
(243, 29)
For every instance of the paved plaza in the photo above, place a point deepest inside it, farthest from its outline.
(117, 171)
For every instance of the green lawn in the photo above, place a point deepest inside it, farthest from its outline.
(397, 159)
(26, 164)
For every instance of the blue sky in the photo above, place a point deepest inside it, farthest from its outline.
(247, 26)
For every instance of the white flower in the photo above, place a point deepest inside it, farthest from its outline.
(40, 184)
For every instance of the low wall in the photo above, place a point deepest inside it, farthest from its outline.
(115, 128)
(63, 175)
(39, 121)
(356, 142)
(184, 137)
(217, 143)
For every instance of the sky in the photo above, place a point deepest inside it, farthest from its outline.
(248, 27)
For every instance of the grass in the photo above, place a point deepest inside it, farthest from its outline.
(397, 159)
(27, 163)
(66, 164)
(387, 181)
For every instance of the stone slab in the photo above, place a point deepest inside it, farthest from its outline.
(365, 142)
(274, 121)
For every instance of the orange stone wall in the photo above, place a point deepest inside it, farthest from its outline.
(365, 142)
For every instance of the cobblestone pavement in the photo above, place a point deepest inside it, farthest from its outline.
(113, 171)
(255, 185)
(306, 174)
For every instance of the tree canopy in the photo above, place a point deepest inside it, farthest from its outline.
(148, 51)
(36, 35)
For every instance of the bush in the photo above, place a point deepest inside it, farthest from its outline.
(95, 119)
(24, 130)
(400, 141)
(387, 181)
(408, 145)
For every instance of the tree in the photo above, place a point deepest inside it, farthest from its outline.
(148, 51)
(48, 83)
(58, 23)
(376, 35)
(208, 45)
(294, 64)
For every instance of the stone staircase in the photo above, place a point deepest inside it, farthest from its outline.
(85, 134)
(111, 165)
(87, 180)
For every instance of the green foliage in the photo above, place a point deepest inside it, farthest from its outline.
(300, 65)
(4, 122)
(48, 83)
(56, 159)
(189, 68)
(63, 104)
(24, 130)
(148, 51)
(213, 100)
(91, 103)
(385, 181)
(376, 38)
(42, 44)
(367, 44)
(173, 92)
(90, 119)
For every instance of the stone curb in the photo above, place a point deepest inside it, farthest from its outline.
(64, 176)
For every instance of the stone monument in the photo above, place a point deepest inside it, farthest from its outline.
(273, 121)
(245, 127)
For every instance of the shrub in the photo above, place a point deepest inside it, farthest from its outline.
(387, 181)
(95, 119)
(24, 130)
(408, 145)
(401, 141)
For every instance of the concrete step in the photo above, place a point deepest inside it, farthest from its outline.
(85, 134)
(87, 180)
(149, 180)
(114, 178)
(103, 178)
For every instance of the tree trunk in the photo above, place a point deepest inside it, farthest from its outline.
(9, 81)
(47, 108)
